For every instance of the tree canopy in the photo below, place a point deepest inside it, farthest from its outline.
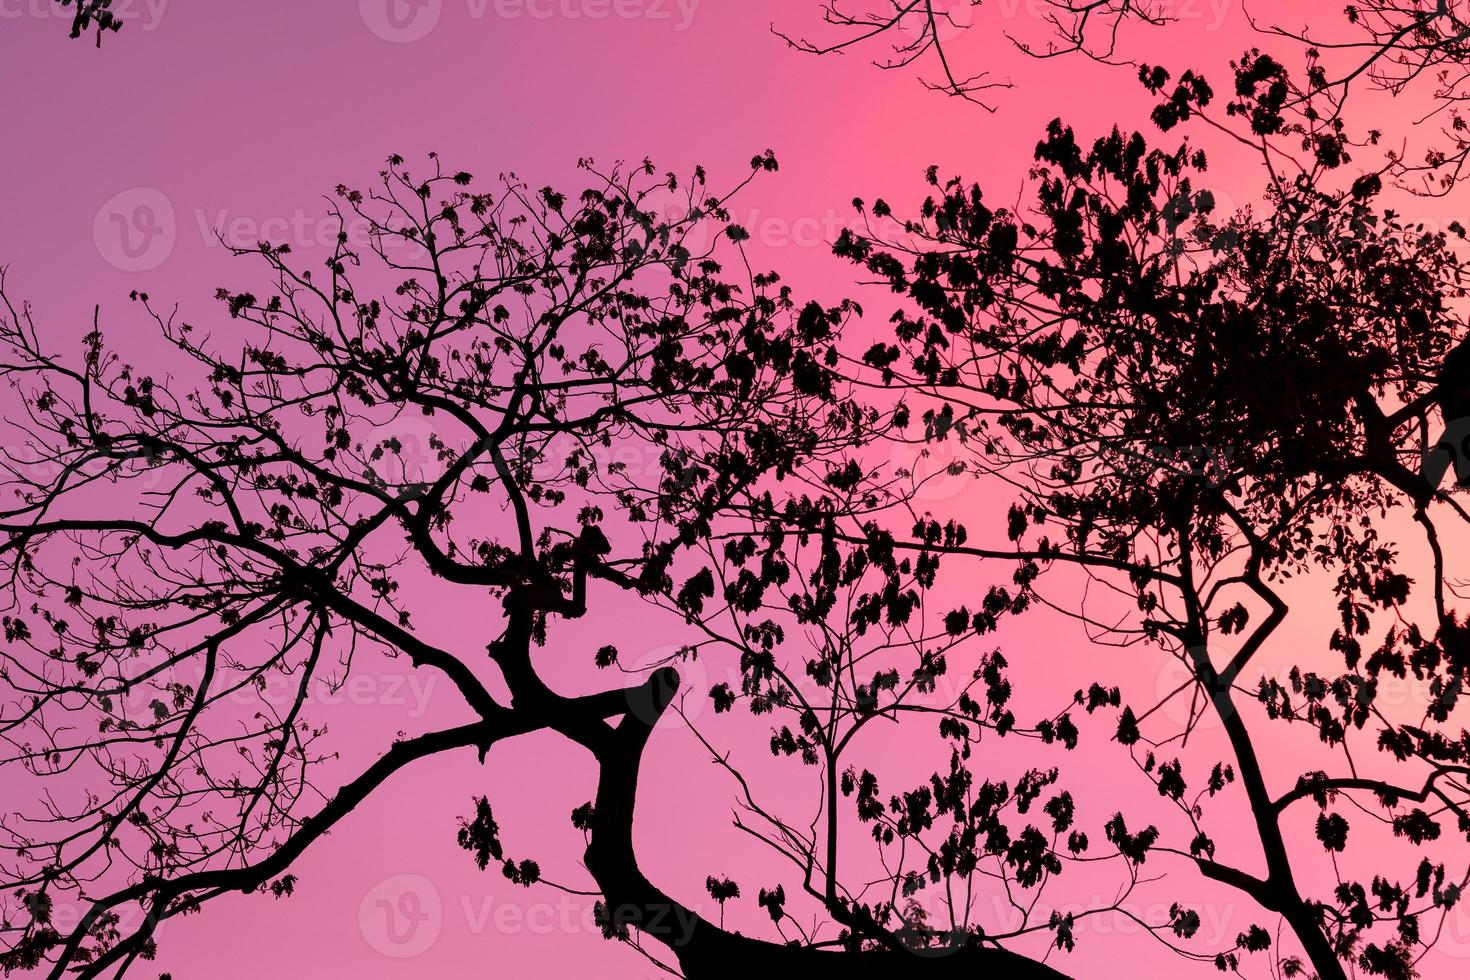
(1201, 431)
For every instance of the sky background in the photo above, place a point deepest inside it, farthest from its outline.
(237, 117)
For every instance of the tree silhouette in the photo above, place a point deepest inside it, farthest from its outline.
(920, 34)
(1413, 49)
(1199, 406)
(1192, 407)
(181, 540)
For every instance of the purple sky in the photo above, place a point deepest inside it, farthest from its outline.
(236, 118)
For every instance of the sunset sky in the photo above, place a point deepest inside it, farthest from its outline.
(124, 165)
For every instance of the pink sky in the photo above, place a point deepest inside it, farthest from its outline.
(238, 117)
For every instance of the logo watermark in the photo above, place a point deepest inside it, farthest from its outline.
(136, 230)
(405, 916)
(406, 21)
(401, 917)
(143, 15)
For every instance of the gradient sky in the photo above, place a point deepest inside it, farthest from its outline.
(236, 117)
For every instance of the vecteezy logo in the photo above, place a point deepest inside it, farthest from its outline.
(1450, 452)
(944, 20)
(931, 471)
(1453, 931)
(1182, 697)
(401, 21)
(401, 916)
(135, 231)
(694, 681)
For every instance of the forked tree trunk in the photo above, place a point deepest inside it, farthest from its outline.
(707, 952)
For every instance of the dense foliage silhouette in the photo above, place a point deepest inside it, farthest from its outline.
(1189, 405)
